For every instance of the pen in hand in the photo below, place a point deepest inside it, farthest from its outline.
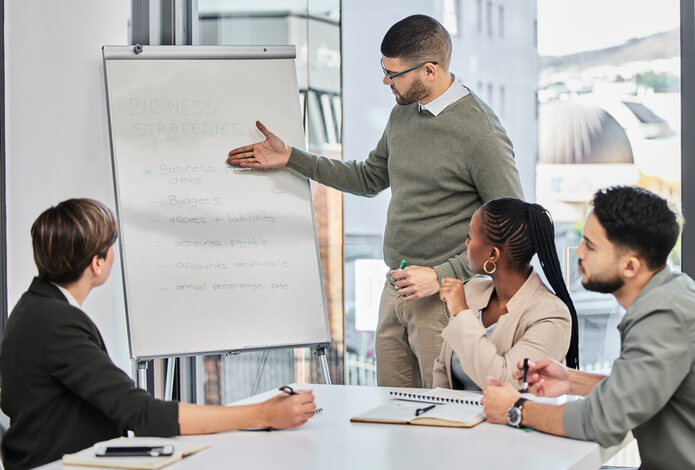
(403, 263)
(288, 390)
(525, 387)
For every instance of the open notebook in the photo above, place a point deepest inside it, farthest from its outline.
(438, 407)
(87, 457)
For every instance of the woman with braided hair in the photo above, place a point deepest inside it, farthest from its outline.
(508, 315)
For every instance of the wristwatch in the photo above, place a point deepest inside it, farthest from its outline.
(514, 413)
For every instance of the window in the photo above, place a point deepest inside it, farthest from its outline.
(502, 104)
(500, 18)
(479, 23)
(605, 123)
(489, 18)
(450, 16)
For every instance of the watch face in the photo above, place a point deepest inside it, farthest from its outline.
(514, 416)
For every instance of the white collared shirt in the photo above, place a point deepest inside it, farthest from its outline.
(454, 93)
(71, 300)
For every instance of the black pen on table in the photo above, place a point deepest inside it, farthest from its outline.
(420, 411)
(525, 387)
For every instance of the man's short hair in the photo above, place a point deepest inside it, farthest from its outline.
(418, 38)
(67, 236)
(637, 219)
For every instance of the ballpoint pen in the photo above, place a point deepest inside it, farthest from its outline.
(288, 390)
(420, 411)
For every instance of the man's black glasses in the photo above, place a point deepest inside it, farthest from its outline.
(391, 75)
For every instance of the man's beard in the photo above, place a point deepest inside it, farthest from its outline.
(603, 285)
(416, 91)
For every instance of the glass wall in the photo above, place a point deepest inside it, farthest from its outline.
(609, 113)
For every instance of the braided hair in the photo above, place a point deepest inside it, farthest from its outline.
(526, 229)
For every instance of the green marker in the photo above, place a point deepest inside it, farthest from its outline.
(403, 263)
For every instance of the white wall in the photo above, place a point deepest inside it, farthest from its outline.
(57, 134)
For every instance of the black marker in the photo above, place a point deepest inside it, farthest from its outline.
(525, 388)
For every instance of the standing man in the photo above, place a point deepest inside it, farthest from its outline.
(651, 388)
(444, 154)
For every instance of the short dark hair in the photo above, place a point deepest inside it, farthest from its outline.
(67, 236)
(418, 38)
(526, 229)
(639, 220)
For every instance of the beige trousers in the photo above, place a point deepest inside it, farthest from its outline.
(408, 339)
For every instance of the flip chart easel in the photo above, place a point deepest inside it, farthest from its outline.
(215, 259)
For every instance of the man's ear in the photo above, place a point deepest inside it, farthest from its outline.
(431, 71)
(631, 266)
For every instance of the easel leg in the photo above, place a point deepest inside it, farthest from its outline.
(323, 363)
(169, 381)
(142, 375)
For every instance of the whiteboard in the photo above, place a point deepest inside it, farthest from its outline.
(214, 258)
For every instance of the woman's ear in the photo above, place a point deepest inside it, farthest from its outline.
(494, 254)
(95, 264)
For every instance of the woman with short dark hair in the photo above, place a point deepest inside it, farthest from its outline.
(60, 389)
(509, 315)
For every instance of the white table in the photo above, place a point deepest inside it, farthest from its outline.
(331, 441)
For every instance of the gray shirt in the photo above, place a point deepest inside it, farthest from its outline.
(651, 389)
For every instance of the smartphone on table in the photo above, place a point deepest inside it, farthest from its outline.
(135, 451)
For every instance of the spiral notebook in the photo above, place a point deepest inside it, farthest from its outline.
(438, 407)
(440, 395)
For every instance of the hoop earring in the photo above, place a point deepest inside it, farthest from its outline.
(487, 270)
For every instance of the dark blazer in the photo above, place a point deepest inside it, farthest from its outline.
(61, 390)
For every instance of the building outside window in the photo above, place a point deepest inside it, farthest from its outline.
(609, 113)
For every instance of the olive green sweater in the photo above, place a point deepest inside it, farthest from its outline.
(440, 170)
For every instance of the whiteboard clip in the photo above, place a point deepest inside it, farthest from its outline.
(137, 49)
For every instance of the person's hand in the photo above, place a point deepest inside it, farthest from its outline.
(452, 293)
(546, 378)
(415, 282)
(289, 411)
(271, 153)
(498, 397)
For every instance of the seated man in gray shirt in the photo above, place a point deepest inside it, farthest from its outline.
(651, 388)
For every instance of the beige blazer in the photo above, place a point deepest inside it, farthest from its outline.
(537, 324)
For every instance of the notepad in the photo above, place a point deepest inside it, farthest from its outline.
(87, 457)
(452, 408)
(406, 412)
